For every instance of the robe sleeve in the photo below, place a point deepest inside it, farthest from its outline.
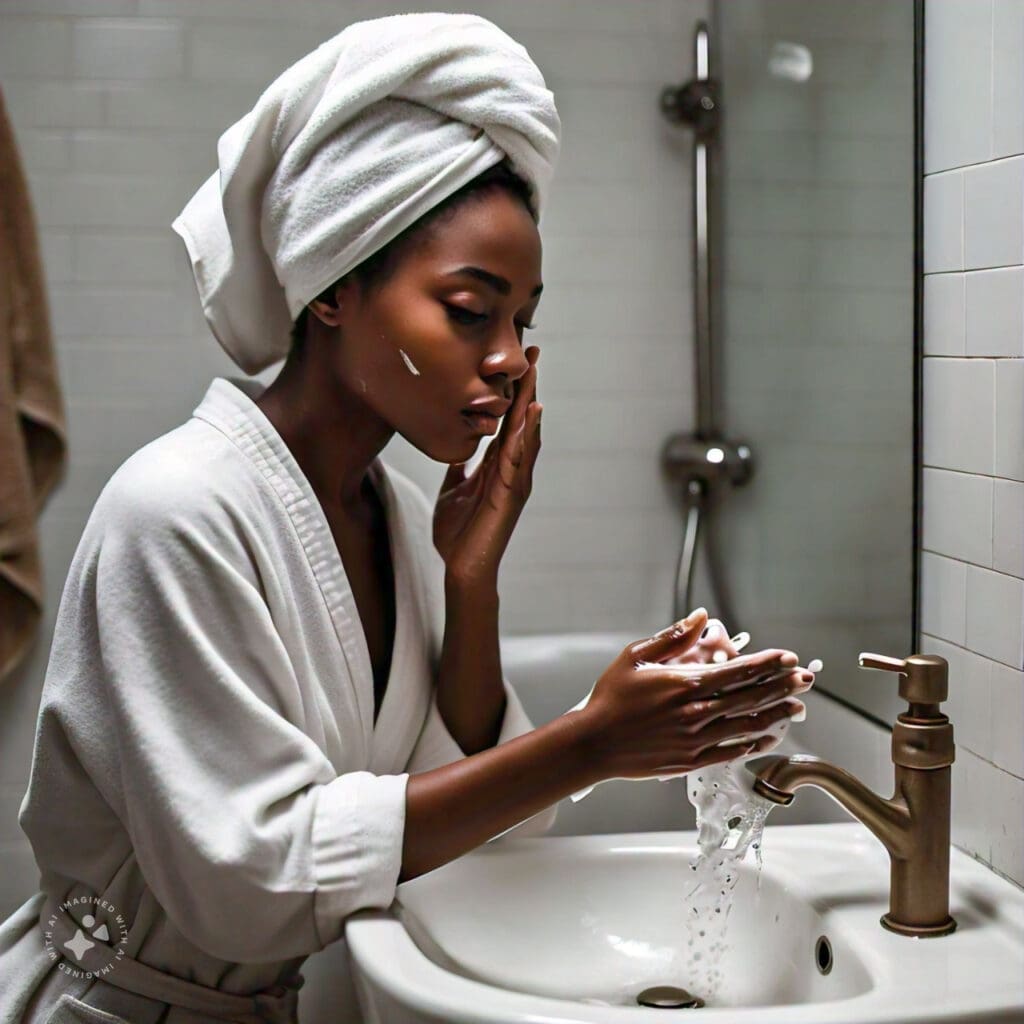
(247, 836)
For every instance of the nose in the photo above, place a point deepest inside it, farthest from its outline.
(506, 360)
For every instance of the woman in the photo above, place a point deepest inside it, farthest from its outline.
(275, 690)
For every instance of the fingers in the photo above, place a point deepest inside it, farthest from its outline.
(671, 640)
(749, 725)
(701, 680)
(750, 699)
(719, 754)
(519, 436)
(532, 439)
(525, 393)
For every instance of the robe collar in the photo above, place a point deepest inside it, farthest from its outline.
(230, 406)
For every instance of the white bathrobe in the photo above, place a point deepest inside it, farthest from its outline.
(206, 757)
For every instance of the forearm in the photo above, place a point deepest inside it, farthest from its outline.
(470, 693)
(454, 809)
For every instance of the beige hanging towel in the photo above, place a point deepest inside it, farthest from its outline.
(33, 436)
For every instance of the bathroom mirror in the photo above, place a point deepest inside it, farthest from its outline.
(818, 328)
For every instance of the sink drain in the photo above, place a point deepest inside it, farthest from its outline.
(823, 955)
(668, 997)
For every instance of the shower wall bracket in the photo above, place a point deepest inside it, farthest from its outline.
(704, 463)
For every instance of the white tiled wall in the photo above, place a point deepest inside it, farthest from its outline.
(973, 561)
(117, 106)
(817, 192)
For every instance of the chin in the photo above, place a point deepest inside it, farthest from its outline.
(449, 452)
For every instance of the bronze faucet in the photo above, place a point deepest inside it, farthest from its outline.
(914, 825)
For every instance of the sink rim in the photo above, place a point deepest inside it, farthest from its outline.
(377, 937)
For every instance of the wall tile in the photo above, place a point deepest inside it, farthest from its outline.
(131, 258)
(248, 53)
(1007, 78)
(969, 825)
(970, 686)
(1007, 707)
(1009, 419)
(944, 222)
(43, 150)
(995, 312)
(78, 8)
(133, 151)
(959, 414)
(128, 48)
(48, 104)
(994, 214)
(974, 120)
(172, 104)
(1003, 796)
(109, 200)
(58, 248)
(944, 321)
(1008, 529)
(957, 515)
(943, 597)
(35, 47)
(117, 312)
(995, 616)
(958, 92)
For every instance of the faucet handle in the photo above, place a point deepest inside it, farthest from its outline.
(924, 678)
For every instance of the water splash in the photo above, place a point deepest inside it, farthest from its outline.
(730, 820)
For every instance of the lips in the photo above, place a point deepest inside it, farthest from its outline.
(481, 422)
(494, 406)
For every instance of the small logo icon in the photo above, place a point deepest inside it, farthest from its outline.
(92, 948)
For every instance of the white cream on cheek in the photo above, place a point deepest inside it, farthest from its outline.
(409, 363)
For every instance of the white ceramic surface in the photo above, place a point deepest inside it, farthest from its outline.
(531, 929)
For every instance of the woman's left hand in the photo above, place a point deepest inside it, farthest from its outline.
(475, 516)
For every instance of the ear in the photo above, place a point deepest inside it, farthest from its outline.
(325, 312)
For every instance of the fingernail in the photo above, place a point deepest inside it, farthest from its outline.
(807, 677)
(694, 615)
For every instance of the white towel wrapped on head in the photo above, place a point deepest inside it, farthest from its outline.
(345, 150)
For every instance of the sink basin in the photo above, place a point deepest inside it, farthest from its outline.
(573, 928)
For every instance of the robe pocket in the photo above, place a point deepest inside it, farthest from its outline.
(73, 1011)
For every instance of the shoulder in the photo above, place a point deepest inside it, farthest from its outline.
(189, 485)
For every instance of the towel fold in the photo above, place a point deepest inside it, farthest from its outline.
(33, 434)
(346, 149)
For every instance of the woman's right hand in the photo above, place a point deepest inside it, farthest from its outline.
(648, 716)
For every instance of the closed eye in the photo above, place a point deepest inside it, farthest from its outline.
(457, 313)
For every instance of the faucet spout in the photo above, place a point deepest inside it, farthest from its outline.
(914, 825)
(888, 820)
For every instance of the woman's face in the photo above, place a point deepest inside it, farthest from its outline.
(435, 337)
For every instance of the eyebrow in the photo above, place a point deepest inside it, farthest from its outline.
(498, 283)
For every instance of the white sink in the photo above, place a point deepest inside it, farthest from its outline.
(572, 928)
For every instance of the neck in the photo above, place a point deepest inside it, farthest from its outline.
(330, 431)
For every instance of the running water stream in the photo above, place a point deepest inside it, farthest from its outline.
(730, 821)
